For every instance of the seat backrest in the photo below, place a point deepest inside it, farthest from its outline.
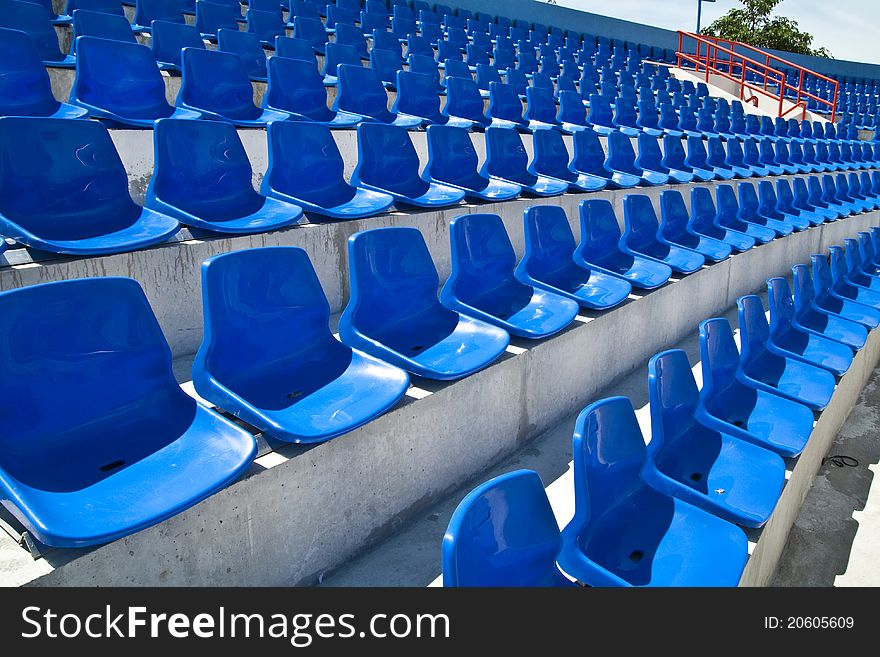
(728, 206)
(753, 328)
(24, 83)
(463, 99)
(451, 154)
(147, 11)
(600, 111)
(768, 203)
(455, 68)
(338, 53)
(260, 306)
(589, 156)
(211, 16)
(673, 153)
(383, 40)
(703, 211)
(99, 24)
(94, 343)
(503, 533)
(202, 168)
(829, 189)
(120, 77)
(551, 155)
(640, 221)
(393, 277)
(673, 214)
(248, 48)
(571, 109)
(425, 66)
(265, 24)
(621, 156)
(767, 154)
(504, 103)
(780, 302)
(505, 153)
(295, 86)
(837, 266)
(168, 39)
(541, 105)
(719, 357)
(482, 256)
(106, 6)
(387, 158)
(817, 193)
(359, 90)
(782, 153)
(649, 157)
(217, 82)
(35, 20)
(673, 397)
(748, 198)
(549, 242)
(310, 29)
(417, 95)
(600, 232)
(386, 64)
(785, 197)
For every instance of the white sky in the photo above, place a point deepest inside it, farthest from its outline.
(845, 27)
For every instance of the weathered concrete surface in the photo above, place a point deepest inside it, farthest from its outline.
(304, 512)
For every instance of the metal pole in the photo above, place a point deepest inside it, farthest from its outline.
(699, 13)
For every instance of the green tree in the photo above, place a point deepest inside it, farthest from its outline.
(754, 24)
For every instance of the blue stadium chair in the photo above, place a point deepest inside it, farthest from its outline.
(483, 285)
(867, 301)
(463, 101)
(733, 479)
(729, 216)
(516, 79)
(55, 18)
(832, 195)
(425, 66)
(833, 296)
(388, 162)
(503, 533)
(867, 188)
(785, 203)
(870, 257)
(669, 121)
(136, 448)
(822, 157)
(120, 84)
(625, 533)
(217, 84)
(703, 221)
(589, 157)
(211, 16)
(394, 314)
(622, 159)
(266, 25)
(650, 160)
(386, 64)
(105, 6)
(675, 230)
(572, 114)
(168, 39)
(349, 35)
(101, 25)
(796, 158)
(804, 203)
(675, 158)
(722, 125)
(507, 160)
(417, 98)
(803, 330)
(820, 199)
(764, 366)
(648, 121)
(486, 74)
(311, 30)
(768, 206)
(505, 108)
(548, 264)
(782, 158)
(696, 160)
(455, 68)
(625, 118)
(268, 355)
(147, 11)
(810, 158)
(845, 193)
(641, 236)
(360, 92)
(35, 21)
(306, 167)
(338, 15)
(599, 249)
(188, 7)
(54, 198)
(452, 161)
(687, 123)
(336, 54)
(855, 274)
(249, 50)
(601, 117)
(552, 161)
(750, 211)
(24, 83)
(717, 160)
(734, 407)
(296, 87)
(416, 45)
(541, 109)
(202, 178)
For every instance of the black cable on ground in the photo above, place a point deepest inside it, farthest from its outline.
(841, 461)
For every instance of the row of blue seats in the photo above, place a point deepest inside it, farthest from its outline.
(94, 488)
(666, 514)
(202, 178)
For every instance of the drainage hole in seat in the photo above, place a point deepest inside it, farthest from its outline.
(636, 556)
(696, 476)
(738, 423)
(112, 466)
(294, 394)
(417, 347)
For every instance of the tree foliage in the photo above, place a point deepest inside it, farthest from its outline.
(754, 24)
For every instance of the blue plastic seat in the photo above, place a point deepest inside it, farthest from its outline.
(815, 196)
(202, 177)
(551, 160)
(787, 205)
(268, 355)
(131, 448)
(55, 18)
(63, 189)
(622, 159)
(745, 411)
(857, 303)
(168, 39)
(505, 108)
(769, 207)
(217, 84)
(101, 25)
(801, 329)
(249, 50)
(729, 477)
(589, 158)
(675, 229)
(697, 160)
(336, 54)
(599, 249)
(360, 92)
(845, 194)
(312, 30)
(383, 40)
(648, 121)
(417, 98)
(548, 263)
(463, 101)
(388, 162)
(572, 115)
(426, 66)
(861, 186)
(452, 161)
(601, 117)
(394, 314)
(669, 120)
(750, 211)
(855, 271)
(24, 83)
(105, 6)
(36, 22)
(704, 221)
(765, 366)
(211, 16)
(752, 157)
(650, 160)
(831, 198)
(386, 64)
(641, 236)
(306, 168)
(541, 109)
(483, 285)
(147, 11)
(625, 533)
(736, 160)
(296, 87)
(503, 533)
(506, 159)
(266, 25)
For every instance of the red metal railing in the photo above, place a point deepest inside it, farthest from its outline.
(714, 54)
